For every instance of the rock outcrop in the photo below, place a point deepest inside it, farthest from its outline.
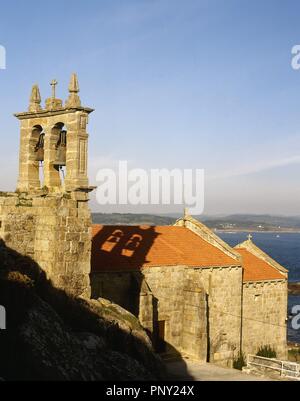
(52, 336)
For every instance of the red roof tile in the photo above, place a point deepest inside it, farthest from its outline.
(121, 248)
(256, 269)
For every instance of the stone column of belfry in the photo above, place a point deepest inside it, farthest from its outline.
(51, 173)
(28, 166)
(77, 139)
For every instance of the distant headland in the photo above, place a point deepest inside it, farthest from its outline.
(231, 223)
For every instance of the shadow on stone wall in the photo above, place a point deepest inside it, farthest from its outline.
(53, 336)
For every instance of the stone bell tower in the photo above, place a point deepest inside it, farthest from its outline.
(51, 139)
(48, 217)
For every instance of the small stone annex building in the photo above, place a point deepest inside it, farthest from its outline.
(194, 294)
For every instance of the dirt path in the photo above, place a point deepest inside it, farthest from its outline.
(197, 371)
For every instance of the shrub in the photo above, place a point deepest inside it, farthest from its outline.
(240, 361)
(267, 351)
(294, 354)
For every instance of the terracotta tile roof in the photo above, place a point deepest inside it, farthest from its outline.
(119, 248)
(256, 269)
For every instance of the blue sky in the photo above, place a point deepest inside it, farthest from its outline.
(175, 84)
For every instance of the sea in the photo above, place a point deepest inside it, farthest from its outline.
(284, 248)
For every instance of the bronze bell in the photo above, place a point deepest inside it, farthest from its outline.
(40, 155)
(61, 148)
(39, 149)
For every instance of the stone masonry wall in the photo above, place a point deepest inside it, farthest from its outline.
(127, 289)
(161, 294)
(17, 223)
(223, 287)
(264, 317)
(113, 286)
(55, 231)
(201, 307)
(194, 321)
(181, 303)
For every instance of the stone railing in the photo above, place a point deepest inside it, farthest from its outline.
(284, 368)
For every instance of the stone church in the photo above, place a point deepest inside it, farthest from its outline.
(193, 293)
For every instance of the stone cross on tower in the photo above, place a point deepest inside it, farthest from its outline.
(53, 83)
(250, 237)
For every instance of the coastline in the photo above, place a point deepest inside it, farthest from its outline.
(240, 230)
(294, 288)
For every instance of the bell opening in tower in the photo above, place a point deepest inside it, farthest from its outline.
(38, 137)
(60, 151)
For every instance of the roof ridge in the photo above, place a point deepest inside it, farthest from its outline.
(209, 236)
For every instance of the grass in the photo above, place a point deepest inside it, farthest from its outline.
(240, 361)
(267, 351)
